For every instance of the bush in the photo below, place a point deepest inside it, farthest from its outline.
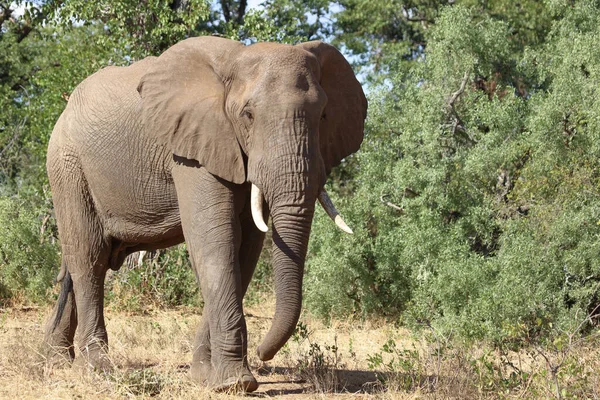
(476, 201)
(29, 257)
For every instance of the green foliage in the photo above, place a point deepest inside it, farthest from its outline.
(28, 254)
(476, 200)
(303, 20)
(403, 366)
(259, 27)
(388, 36)
(282, 21)
(43, 69)
(140, 28)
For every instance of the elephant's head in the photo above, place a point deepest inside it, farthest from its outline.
(278, 116)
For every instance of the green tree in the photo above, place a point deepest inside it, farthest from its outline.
(476, 199)
(28, 252)
(384, 35)
(139, 28)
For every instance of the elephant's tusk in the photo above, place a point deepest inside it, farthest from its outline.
(256, 203)
(329, 208)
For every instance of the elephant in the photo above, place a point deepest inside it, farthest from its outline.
(198, 145)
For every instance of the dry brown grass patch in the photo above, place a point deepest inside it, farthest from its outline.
(151, 352)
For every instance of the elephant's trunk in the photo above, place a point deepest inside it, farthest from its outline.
(292, 175)
(291, 230)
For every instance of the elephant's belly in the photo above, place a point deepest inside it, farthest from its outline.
(144, 229)
(146, 219)
(136, 206)
(139, 210)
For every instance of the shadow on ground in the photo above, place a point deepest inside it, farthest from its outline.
(281, 381)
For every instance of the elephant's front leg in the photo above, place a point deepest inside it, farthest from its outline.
(249, 253)
(210, 209)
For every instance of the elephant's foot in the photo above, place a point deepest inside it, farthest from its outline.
(57, 355)
(244, 383)
(238, 379)
(201, 371)
(97, 363)
(95, 357)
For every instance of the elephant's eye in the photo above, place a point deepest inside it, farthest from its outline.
(248, 116)
(323, 116)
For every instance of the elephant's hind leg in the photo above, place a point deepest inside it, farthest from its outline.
(85, 254)
(88, 287)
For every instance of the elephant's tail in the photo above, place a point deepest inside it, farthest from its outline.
(65, 289)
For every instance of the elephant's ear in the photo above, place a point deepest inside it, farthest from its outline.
(341, 129)
(183, 97)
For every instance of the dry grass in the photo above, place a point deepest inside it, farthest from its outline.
(151, 355)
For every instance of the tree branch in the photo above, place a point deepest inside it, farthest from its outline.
(226, 10)
(457, 124)
(5, 14)
(414, 15)
(461, 90)
(22, 26)
(390, 204)
(24, 31)
(241, 12)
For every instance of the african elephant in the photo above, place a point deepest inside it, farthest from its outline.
(193, 145)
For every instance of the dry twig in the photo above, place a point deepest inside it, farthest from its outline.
(457, 124)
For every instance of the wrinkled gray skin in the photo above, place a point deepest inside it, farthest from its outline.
(165, 150)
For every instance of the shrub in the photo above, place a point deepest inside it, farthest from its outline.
(29, 257)
(476, 203)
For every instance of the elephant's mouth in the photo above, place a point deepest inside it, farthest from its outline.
(256, 201)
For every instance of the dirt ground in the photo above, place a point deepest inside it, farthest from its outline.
(151, 353)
